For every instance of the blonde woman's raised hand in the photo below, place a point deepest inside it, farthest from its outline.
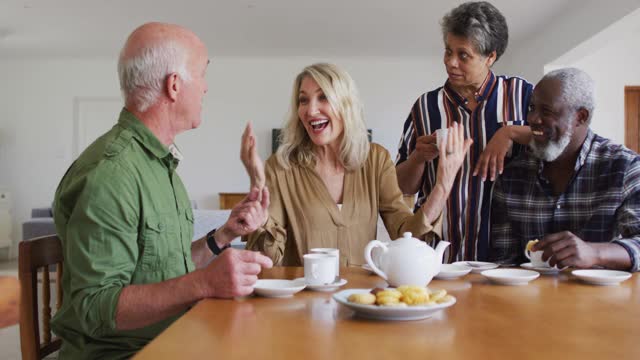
(451, 155)
(250, 159)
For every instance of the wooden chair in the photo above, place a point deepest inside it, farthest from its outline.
(35, 254)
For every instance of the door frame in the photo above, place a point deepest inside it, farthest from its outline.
(631, 125)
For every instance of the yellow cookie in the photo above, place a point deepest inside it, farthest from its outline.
(362, 298)
(390, 292)
(415, 297)
(445, 299)
(531, 243)
(411, 288)
(437, 295)
(387, 300)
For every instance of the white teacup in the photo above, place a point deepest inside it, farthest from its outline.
(330, 251)
(536, 258)
(319, 269)
(441, 136)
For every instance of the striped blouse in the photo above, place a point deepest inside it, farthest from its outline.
(501, 101)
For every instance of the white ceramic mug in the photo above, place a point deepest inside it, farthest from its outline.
(441, 136)
(536, 258)
(329, 251)
(319, 269)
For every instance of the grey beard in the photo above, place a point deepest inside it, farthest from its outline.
(553, 149)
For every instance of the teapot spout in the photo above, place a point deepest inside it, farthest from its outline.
(442, 246)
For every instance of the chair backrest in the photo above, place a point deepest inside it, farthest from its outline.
(35, 254)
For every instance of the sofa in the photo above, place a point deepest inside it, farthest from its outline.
(41, 224)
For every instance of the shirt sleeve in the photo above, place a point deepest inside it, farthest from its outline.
(524, 99)
(503, 246)
(100, 245)
(271, 239)
(628, 215)
(407, 140)
(397, 217)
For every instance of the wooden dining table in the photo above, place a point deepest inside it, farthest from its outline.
(9, 301)
(552, 317)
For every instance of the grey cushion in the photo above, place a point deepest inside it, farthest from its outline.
(36, 227)
(204, 221)
(41, 212)
(207, 220)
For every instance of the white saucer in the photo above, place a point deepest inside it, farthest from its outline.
(452, 271)
(544, 270)
(510, 276)
(326, 287)
(477, 266)
(278, 288)
(601, 277)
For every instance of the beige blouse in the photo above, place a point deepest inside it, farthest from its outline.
(302, 214)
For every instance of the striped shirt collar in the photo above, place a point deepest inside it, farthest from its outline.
(482, 94)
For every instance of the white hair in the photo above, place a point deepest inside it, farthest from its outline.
(553, 149)
(578, 89)
(142, 76)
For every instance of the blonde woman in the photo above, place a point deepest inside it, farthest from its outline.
(327, 184)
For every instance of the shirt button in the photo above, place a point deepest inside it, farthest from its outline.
(558, 206)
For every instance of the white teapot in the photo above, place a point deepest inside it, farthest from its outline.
(406, 261)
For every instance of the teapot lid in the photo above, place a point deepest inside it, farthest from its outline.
(407, 238)
(408, 241)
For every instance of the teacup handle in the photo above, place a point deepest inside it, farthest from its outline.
(526, 253)
(367, 255)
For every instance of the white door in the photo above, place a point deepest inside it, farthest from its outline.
(93, 116)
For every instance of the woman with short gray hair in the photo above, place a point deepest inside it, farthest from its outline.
(491, 109)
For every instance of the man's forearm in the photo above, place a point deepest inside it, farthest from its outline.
(143, 305)
(200, 252)
(410, 175)
(612, 256)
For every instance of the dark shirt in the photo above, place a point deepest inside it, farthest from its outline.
(601, 202)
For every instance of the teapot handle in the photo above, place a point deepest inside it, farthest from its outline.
(367, 255)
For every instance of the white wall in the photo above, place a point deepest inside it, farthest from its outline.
(611, 59)
(566, 31)
(612, 68)
(37, 113)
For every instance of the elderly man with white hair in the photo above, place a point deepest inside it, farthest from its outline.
(125, 219)
(576, 192)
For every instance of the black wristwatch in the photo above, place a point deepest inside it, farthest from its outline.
(213, 246)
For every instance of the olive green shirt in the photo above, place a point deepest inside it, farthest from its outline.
(124, 218)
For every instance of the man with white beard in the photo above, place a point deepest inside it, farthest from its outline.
(575, 191)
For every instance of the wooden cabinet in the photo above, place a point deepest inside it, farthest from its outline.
(229, 200)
